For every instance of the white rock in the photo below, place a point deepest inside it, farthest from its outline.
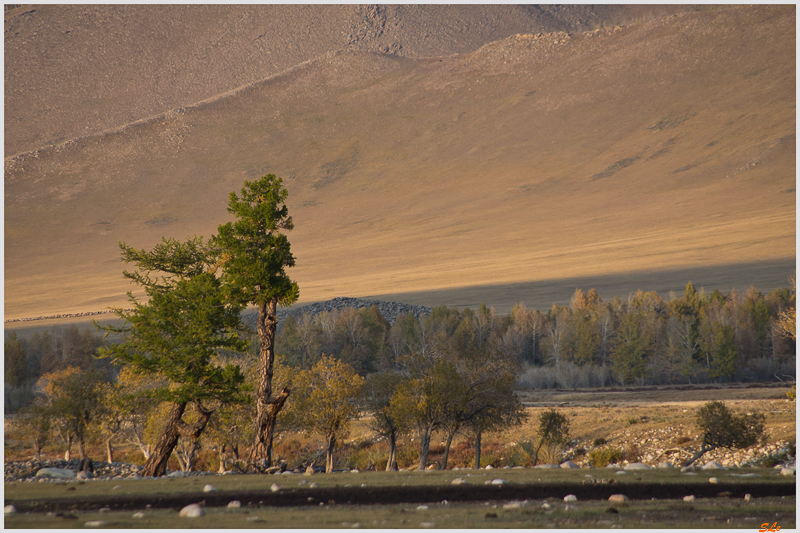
(546, 505)
(568, 464)
(254, 519)
(712, 465)
(489, 467)
(422, 508)
(56, 473)
(313, 485)
(95, 523)
(193, 510)
(689, 498)
(9, 509)
(513, 505)
(84, 475)
(138, 514)
(638, 466)
(235, 504)
(618, 498)
(570, 498)
(209, 488)
(498, 482)
(788, 472)
(666, 464)
(427, 525)
(621, 472)
(547, 466)
(177, 473)
(713, 480)
(275, 487)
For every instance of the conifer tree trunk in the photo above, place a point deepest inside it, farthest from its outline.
(156, 465)
(267, 407)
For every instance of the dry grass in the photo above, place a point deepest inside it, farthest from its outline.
(665, 146)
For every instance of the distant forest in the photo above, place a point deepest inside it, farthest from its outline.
(644, 339)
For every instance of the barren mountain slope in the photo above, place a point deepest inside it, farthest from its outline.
(662, 145)
(76, 70)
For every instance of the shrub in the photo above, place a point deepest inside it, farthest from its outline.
(632, 454)
(605, 456)
(600, 441)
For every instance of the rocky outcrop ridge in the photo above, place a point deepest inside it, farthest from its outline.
(389, 310)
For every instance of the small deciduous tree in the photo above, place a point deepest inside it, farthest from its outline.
(378, 391)
(255, 254)
(723, 429)
(326, 399)
(552, 434)
(73, 398)
(32, 424)
(175, 335)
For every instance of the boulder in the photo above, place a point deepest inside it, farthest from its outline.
(665, 464)
(84, 474)
(209, 488)
(568, 464)
(689, 498)
(638, 466)
(788, 472)
(619, 499)
(235, 504)
(570, 498)
(712, 465)
(547, 466)
(56, 473)
(193, 510)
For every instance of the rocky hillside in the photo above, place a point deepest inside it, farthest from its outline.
(77, 70)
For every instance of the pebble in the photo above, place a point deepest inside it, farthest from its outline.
(95, 523)
(689, 498)
(618, 498)
(9, 509)
(138, 515)
(209, 488)
(713, 480)
(235, 504)
(570, 498)
(275, 487)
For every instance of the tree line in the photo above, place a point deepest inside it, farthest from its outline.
(188, 370)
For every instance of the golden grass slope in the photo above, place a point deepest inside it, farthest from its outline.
(663, 145)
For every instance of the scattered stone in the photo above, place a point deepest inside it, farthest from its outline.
(193, 510)
(689, 498)
(427, 525)
(84, 474)
(498, 482)
(138, 514)
(9, 509)
(638, 466)
(313, 485)
(712, 465)
(568, 464)
(56, 473)
(788, 472)
(546, 505)
(713, 480)
(547, 466)
(489, 467)
(513, 505)
(209, 488)
(422, 508)
(275, 487)
(748, 497)
(254, 519)
(95, 523)
(690, 468)
(665, 464)
(116, 487)
(458, 481)
(622, 472)
(235, 504)
(619, 499)
(105, 510)
(570, 498)
(177, 473)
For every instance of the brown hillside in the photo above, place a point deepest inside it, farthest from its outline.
(662, 146)
(77, 70)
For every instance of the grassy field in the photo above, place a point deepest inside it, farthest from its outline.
(722, 511)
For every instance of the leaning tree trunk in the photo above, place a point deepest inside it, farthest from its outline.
(109, 451)
(267, 407)
(443, 465)
(156, 465)
(391, 464)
